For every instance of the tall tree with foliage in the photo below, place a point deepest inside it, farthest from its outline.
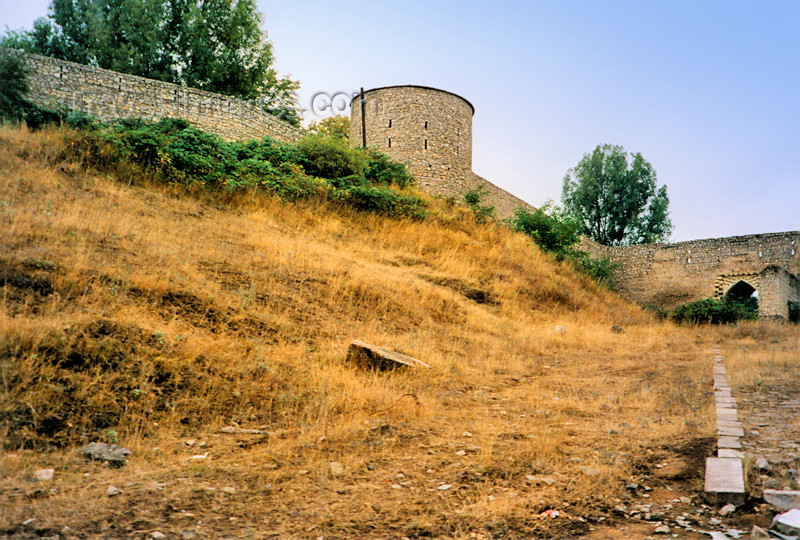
(614, 198)
(214, 45)
(13, 86)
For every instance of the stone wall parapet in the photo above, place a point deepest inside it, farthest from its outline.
(110, 95)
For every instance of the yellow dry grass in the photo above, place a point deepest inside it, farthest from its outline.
(163, 318)
(763, 356)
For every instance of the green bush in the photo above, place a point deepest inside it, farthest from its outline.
(601, 270)
(382, 200)
(267, 149)
(474, 200)
(328, 157)
(711, 311)
(557, 234)
(183, 154)
(550, 233)
(197, 156)
(381, 169)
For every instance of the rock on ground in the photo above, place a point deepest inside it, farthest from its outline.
(369, 356)
(113, 454)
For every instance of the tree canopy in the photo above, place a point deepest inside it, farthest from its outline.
(214, 45)
(614, 198)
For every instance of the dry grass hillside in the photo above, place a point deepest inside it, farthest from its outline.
(131, 313)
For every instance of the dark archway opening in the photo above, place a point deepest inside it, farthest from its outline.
(744, 295)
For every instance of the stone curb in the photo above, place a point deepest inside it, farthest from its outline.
(724, 479)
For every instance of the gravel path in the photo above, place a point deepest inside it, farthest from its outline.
(771, 421)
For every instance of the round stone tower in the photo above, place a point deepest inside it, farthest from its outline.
(429, 130)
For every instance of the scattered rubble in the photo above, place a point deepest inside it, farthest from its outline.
(727, 509)
(111, 453)
(782, 500)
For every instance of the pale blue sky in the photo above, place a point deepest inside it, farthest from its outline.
(707, 91)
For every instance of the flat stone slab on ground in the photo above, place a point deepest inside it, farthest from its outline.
(730, 431)
(788, 522)
(723, 400)
(724, 481)
(730, 453)
(782, 500)
(371, 357)
(729, 424)
(729, 442)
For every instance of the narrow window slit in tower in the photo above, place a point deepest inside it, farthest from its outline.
(390, 123)
(390, 142)
(426, 144)
(426, 124)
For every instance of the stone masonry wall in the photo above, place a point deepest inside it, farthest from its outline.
(777, 286)
(666, 275)
(109, 95)
(430, 131)
(504, 202)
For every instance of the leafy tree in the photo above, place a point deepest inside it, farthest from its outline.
(214, 45)
(613, 196)
(337, 127)
(13, 87)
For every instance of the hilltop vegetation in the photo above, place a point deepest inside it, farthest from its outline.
(152, 313)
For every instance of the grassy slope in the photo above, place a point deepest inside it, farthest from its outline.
(165, 318)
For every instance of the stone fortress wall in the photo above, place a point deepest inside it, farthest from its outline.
(429, 130)
(667, 275)
(109, 95)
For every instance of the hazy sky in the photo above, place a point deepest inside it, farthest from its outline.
(707, 91)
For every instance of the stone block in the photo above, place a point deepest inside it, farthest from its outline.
(369, 356)
(724, 480)
(788, 523)
(727, 415)
(724, 431)
(782, 500)
(730, 453)
(729, 442)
